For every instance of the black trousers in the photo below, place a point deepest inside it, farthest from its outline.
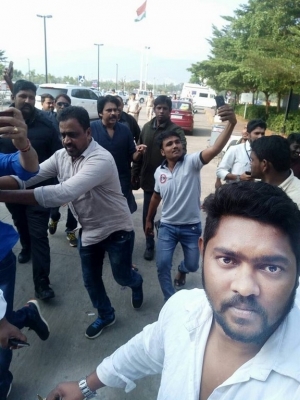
(32, 225)
(147, 199)
(71, 223)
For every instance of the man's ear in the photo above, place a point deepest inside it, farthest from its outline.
(201, 246)
(89, 132)
(266, 165)
(162, 152)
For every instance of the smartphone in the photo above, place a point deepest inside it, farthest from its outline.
(10, 68)
(220, 101)
(17, 343)
(6, 113)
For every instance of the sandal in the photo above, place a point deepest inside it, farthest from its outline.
(179, 281)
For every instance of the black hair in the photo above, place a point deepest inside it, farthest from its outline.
(256, 123)
(45, 96)
(294, 137)
(106, 99)
(65, 96)
(163, 100)
(21, 84)
(120, 99)
(74, 112)
(259, 201)
(165, 135)
(274, 149)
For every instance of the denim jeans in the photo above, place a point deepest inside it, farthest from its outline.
(119, 247)
(18, 318)
(168, 237)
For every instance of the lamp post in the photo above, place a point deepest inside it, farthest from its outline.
(117, 68)
(98, 45)
(146, 68)
(45, 38)
(28, 68)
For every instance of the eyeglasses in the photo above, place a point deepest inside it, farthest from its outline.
(62, 104)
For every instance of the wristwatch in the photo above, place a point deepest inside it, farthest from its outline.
(238, 178)
(86, 391)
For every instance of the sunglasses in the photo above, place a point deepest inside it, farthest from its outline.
(62, 104)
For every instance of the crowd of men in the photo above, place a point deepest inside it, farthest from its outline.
(235, 338)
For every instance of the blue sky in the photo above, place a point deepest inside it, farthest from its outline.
(175, 31)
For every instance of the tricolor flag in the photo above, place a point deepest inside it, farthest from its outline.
(141, 12)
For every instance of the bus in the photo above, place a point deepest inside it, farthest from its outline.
(202, 95)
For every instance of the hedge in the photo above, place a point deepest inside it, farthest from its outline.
(273, 119)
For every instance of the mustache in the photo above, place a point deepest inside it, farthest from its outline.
(238, 301)
(27, 106)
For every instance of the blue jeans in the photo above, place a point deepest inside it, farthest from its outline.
(168, 237)
(119, 247)
(17, 318)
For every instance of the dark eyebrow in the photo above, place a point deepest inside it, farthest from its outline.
(276, 258)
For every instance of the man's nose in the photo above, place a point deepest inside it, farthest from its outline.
(245, 282)
(66, 139)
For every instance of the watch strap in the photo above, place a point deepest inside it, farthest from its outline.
(85, 390)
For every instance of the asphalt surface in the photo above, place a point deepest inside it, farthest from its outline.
(68, 354)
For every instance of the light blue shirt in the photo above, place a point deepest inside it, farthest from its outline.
(180, 190)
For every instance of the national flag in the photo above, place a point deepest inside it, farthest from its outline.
(141, 12)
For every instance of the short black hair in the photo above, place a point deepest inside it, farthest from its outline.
(165, 135)
(255, 123)
(45, 96)
(106, 99)
(294, 137)
(120, 99)
(65, 96)
(162, 99)
(258, 201)
(22, 84)
(274, 149)
(74, 112)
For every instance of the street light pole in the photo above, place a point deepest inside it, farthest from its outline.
(146, 68)
(117, 67)
(45, 38)
(98, 45)
(28, 69)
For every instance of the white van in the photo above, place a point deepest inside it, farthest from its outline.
(202, 95)
(79, 95)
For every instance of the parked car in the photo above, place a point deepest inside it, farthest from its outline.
(182, 115)
(80, 96)
(141, 95)
(123, 95)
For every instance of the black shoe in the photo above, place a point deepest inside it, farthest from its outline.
(44, 291)
(24, 256)
(37, 322)
(137, 297)
(96, 328)
(149, 254)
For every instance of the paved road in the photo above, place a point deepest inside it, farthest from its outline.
(68, 355)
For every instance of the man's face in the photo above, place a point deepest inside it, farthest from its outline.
(61, 103)
(162, 112)
(245, 133)
(256, 134)
(74, 138)
(257, 166)
(109, 114)
(24, 101)
(172, 148)
(48, 104)
(295, 151)
(249, 276)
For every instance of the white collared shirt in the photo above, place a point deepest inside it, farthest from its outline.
(291, 186)
(236, 161)
(2, 305)
(174, 347)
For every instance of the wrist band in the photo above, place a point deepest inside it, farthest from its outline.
(27, 148)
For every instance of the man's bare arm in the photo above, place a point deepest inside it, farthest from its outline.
(154, 203)
(226, 113)
(18, 197)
